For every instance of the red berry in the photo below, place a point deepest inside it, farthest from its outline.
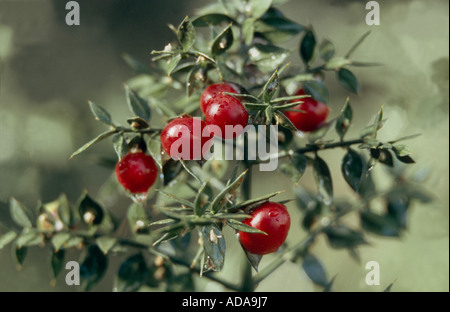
(182, 132)
(136, 172)
(225, 110)
(212, 91)
(313, 114)
(274, 220)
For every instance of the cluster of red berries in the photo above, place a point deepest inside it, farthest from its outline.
(137, 171)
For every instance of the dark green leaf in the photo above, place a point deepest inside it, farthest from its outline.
(397, 208)
(308, 46)
(239, 226)
(138, 219)
(214, 245)
(100, 113)
(315, 270)
(223, 41)
(201, 199)
(382, 225)
(21, 253)
(326, 50)
(352, 168)
(57, 261)
(251, 203)
(344, 120)
(93, 267)
(132, 274)
(173, 63)
(212, 19)
(253, 259)
(7, 238)
(18, 213)
(186, 34)
(275, 27)
(323, 180)
(137, 105)
(311, 215)
(296, 167)
(389, 288)
(318, 90)
(285, 122)
(99, 138)
(90, 211)
(348, 80)
(340, 236)
(270, 87)
(170, 170)
(220, 200)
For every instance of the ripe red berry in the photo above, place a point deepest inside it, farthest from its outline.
(136, 172)
(188, 132)
(313, 114)
(225, 110)
(212, 91)
(274, 220)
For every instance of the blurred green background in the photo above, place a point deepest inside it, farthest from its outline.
(49, 70)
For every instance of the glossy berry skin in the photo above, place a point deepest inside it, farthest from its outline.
(136, 172)
(271, 218)
(212, 91)
(313, 114)
(181, 131)
(225, 110)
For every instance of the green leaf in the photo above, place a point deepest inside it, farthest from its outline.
(64, 210)
(402, 153)
(100, 113)
(348, 80)
(19, 214)
(323, 180)
(253, 259)
(7, 238)
(214, 245)
(382, 225)
(326, 50)
(220, 200)
(268, 56)
(315, 270)
(186, 34)
(200, 203)
(73, 242)
(257, 8)
(133, 273)
(120, 145)
(308, 46)
(353, 167)
(180, 200)
(57, 261)
(93, 267)
(341, 236)
(99, 138)
(285, 122)
(173, 63)
(248, 31)
(137, 105)
(320, 132)
(59, 239)
(29, 237)
(344, 120)
(106, 243)
(212, 19)
(270, 87)
(138, 219)
(318, 90)
(223, 41)
(296, 167)
(378, 123)
(196, 77)
(90, 211)
(239, 226)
